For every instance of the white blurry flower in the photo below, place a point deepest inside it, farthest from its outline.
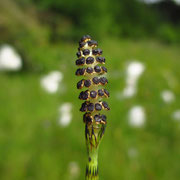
(50, 82)
(10, 60)
(132, 152)
(167, 96)
(176, 115)
(129, 91)
(135, 69)
(150, 1)
(157, 1)
(133, 72)
(65, 114)
(74, 170)
(177, 2)
(137, 116)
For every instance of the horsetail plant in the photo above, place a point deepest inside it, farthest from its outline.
(91, 62)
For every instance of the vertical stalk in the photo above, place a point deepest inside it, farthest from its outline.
(91, 67)
(93, 134)
(92, 165)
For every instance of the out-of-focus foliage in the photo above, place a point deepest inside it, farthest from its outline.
(125, 18)
(34, 144)
(36, 24)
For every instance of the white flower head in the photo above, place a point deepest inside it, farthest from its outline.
(51, 81)
(176, 115)
(137, 116)
(168, 96)
(133, 72)
(10, 60)
(74, 170)
(65, 114)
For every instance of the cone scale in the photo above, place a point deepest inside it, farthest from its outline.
(92, 70)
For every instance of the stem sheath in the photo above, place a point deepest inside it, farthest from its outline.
(93, 134)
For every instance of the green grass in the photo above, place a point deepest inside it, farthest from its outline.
(34, 146)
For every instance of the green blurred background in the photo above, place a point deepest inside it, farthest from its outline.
(41, 128)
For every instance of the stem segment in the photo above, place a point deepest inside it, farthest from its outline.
(93, 134)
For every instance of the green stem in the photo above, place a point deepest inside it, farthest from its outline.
(92, 165)
(93, 134)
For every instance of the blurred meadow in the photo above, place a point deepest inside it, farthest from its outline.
(41, 127)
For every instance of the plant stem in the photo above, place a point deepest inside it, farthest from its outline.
(93, 134)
